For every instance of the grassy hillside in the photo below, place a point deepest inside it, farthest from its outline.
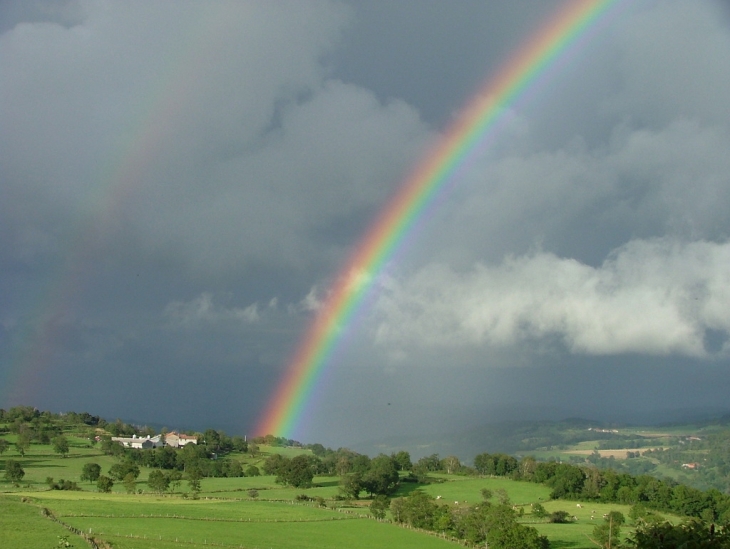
(257, 511)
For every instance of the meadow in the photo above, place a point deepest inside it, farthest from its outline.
(225, 515)
(249, 512)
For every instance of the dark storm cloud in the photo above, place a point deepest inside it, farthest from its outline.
(174, 207)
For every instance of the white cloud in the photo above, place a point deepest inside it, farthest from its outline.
(313, 301)
(202, 309)
(655, 297)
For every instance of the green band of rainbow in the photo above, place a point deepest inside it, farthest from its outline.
(480, 120)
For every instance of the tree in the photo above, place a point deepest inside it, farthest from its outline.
(693, 534)
(398, 509)
(60, 445)
(421, 511)
(539, 511)
(91, 472)
(502, 496)
(560, 517)
(403, 461)
(351, 485)
(13, 471)
(496, 527)
(430, 463)
(380, 506)
(175, 479)
(252, 471)
(451, 464)
(23, 443)
(104, 483)
(120, 470)
(158, 481)
(382, 477)
(4, 445)
(608, 533)
(239, 444)
(486, 494)
(296, 472)
(194, 476)
(130, 483)
(233, 468)
(275, 464)
(318, 450)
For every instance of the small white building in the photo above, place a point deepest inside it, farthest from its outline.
(137, 442)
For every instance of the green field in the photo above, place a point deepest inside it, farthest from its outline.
(226, 514)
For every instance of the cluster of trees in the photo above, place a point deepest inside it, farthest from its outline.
(32, 426)
(62, 484)
(377, 476)
(692, 534)
(204, 456)
(271, 440)
(492, 525)
(358, 472)
(127, 473)
(297, 471)
(589, 483)
(190, 457)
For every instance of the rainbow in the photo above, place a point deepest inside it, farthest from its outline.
(517, 81)
(152, 119)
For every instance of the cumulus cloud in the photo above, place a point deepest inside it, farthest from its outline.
(656, 297)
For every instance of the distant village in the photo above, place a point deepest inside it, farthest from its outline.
(172, 439)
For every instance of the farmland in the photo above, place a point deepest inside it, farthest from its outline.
(53, 500)
(226, 516)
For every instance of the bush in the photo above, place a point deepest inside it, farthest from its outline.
(560, 517)
(13, 471)
(104, 484)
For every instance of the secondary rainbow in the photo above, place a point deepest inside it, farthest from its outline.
(151, 120)
(516, 82)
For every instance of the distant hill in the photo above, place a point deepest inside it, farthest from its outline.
(519, 437)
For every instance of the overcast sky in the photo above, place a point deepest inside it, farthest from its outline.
(180, 182)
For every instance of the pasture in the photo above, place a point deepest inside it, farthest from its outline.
(227, 516)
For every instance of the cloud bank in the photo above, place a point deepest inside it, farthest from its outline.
(650, 296)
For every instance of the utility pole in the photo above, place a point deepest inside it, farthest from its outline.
(610, 529)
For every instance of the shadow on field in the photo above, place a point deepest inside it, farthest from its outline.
(326, 483)
(561, 544)
(31, 463)
(406, 489)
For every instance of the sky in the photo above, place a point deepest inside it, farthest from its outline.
(180, 183)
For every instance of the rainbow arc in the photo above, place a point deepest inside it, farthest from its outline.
(481, 120)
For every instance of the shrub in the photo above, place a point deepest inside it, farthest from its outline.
(560, 517)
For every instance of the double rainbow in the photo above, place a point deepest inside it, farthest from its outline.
(482, 118)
